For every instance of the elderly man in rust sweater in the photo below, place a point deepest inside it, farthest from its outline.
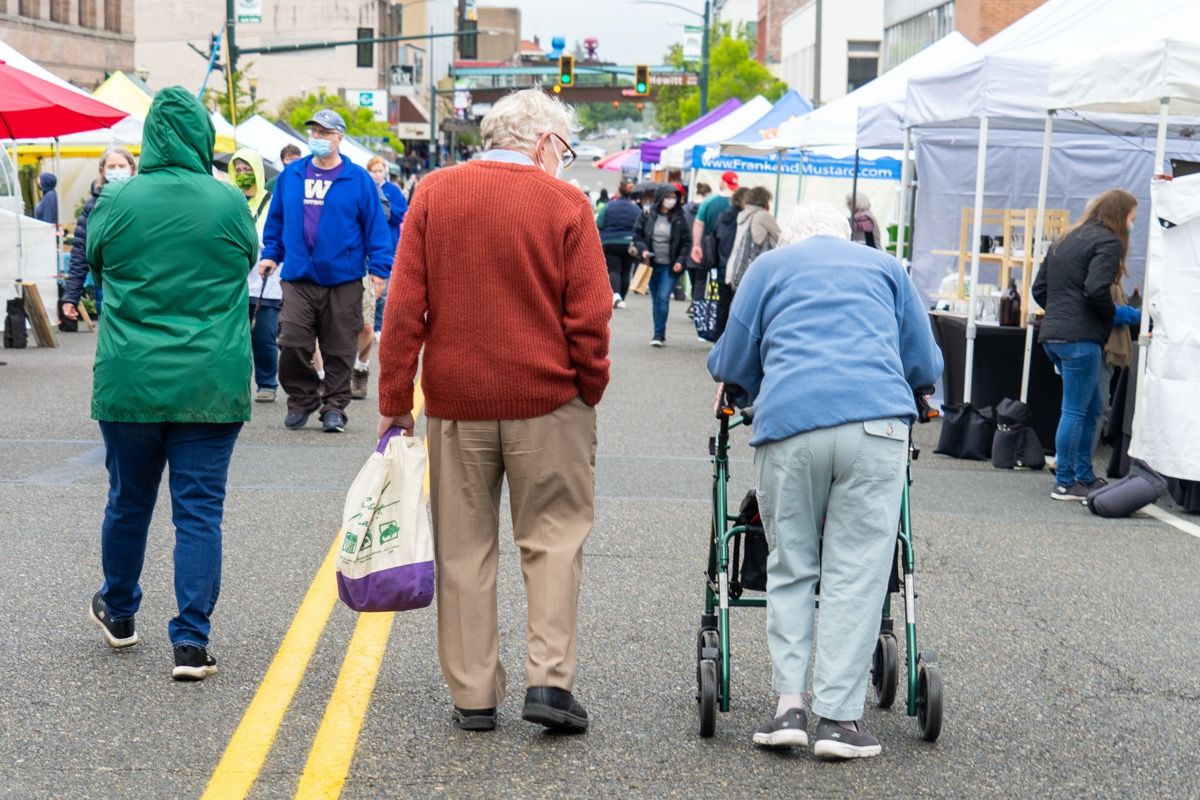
(500, 276)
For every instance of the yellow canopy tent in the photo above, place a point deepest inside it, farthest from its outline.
(128, 94)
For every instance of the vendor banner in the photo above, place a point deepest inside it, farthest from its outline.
(810, 165)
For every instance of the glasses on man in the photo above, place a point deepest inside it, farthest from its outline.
(568, 155)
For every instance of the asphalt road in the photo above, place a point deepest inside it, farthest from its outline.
(1063, 639)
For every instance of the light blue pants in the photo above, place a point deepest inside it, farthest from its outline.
(851, 476)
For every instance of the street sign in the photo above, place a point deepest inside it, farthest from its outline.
(693, 42)
(249, 10)
(673, 79)
(374, 99)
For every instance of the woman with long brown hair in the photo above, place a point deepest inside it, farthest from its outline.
(1074, 286)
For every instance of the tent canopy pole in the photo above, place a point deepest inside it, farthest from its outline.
(980, 166)
(1039, 233)
(1160, 152)
(905, 176)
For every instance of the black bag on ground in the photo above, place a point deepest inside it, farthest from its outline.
(1015, 445)
(15, 335)
(1122, 498)
(967, 432)
(754, 564)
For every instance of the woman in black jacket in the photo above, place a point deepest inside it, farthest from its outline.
(1074, 286)
(116, 165)
(662, 237)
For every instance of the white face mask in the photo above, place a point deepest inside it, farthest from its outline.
(117, 174)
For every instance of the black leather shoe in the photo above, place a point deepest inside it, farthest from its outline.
(334, 421)
(295, 420)
(555, 709)
(475, 719)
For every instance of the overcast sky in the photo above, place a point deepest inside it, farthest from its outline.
(628, 33)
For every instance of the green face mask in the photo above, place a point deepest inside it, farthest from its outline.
(244, 180)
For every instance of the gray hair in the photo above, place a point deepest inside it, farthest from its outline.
(517, 120)
(814, 219)
(861, 202)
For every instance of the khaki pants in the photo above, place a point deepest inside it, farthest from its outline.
(550, 463)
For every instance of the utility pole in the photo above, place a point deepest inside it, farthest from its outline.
(434, 154)
(230, 35)
(704, 57)
(816, 98)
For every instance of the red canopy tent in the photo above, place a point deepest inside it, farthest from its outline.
(32, 108)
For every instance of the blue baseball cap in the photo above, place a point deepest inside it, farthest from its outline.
(327, 118)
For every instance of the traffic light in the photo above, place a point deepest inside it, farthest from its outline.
(566, 70)
(641, 80)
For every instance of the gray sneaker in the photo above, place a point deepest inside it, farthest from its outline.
(1076, 492)
(789, 730)
(836, 741)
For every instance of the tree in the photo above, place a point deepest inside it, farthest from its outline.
(733, 72)
(596, 115)
(360, 122)
(217, 97)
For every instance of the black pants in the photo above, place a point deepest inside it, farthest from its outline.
(620, 267)
(332, 316)
(724, 301)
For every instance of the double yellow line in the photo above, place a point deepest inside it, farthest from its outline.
(334, 745)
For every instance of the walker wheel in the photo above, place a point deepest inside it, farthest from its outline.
(708, 697)
(929, 701)
(707, 638)
(884, 670)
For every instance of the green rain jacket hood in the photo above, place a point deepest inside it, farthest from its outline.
(171, 248)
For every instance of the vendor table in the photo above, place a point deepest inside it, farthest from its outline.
(999, 354)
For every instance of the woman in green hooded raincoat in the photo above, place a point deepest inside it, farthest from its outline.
(172, 248)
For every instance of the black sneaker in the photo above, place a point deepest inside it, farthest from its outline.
(836, 741)
(295, 420)
(117, 634)
(1076, 492)
(789, 730)
(193, 663)
(475, 719)
(555, 709)
(334, 421)
(1093, 484)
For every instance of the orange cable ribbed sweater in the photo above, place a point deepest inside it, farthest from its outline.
(500, 276)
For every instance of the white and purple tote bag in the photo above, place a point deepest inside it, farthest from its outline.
(385, 562)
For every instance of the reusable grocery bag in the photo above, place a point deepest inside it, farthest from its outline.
(385, 562)
(704, 312)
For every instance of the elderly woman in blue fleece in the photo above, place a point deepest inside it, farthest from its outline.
(828, 339)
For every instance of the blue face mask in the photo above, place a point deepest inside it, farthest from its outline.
(319, 147)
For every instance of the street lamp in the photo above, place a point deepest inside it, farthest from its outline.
(707, 17)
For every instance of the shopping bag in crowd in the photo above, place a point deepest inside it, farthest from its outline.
(1015, 445)
(386, 558)
(967, 432)
(641, 278)
(753, 575)
(704, 312)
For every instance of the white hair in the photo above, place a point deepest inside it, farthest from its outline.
(814, 219)
(861, 202)
(517, 120)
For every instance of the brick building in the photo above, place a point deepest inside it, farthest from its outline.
(771, 14)
(911, 25)
(79, 40)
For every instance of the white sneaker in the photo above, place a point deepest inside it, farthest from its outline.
(621, 304)
(656, 343)
(616, 299)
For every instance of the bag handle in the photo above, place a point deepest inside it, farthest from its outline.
(387, 437)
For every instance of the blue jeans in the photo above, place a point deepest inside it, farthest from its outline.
(662, 283)
(379, 304)
(1079, 364)
(198, 455)
(265, 341)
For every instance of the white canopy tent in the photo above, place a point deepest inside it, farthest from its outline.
(1153, 69)
(268, 139)
(1006, 84)
(679, 155)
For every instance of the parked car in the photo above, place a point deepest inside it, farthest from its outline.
(590, 151)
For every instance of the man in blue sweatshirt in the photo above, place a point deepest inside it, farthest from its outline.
(828, 339)
(327, 228)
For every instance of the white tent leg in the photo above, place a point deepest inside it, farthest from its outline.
(980, 166)
(905, 177)
(1039, 232)
(778, 178)
(1160, 153)
(19, 216)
